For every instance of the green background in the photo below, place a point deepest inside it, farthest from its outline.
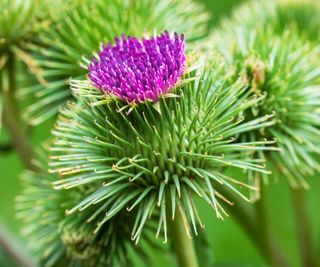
(229, 245)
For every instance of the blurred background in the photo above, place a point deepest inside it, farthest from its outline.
(229, 246)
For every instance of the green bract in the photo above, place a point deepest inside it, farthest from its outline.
(156, 158)
(60, 239)
(85, 24)
(286, 70)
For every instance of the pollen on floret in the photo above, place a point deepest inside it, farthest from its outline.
(138, 71)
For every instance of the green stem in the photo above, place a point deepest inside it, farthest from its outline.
(8, 244)
(182, 244)
(11, 114)
(273, 254)
(304, 234)
(249, 219)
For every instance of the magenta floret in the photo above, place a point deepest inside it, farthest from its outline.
(138, 71)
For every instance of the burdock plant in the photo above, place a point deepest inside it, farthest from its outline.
(80, 29)
(151, 130)
(148, 126)
(20, 21)
(19, 24)
(275, 61)
(261, 59)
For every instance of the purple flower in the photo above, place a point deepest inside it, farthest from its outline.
(138, 71)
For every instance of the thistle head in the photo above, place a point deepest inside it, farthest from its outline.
(138, 71)
(160, 156)
(66, 52)
(284, 69)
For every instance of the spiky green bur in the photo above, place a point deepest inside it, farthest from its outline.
(60, 239)
(286, 71)
(152, 158)
(18, 21)
(85, 25)
(20, 24)
(301, 16)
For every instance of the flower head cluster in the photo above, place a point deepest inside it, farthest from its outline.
(139, 71)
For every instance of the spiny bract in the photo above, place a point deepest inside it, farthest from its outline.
(85, 25)
(59, 239)
(157, 157)
(286, 70)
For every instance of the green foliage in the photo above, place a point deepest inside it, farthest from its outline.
(19, 22)
(301, 16)
(84, 25)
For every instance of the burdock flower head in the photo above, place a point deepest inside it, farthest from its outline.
(65, 47)
(284, 69)
(154, 161)
(138, 71)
